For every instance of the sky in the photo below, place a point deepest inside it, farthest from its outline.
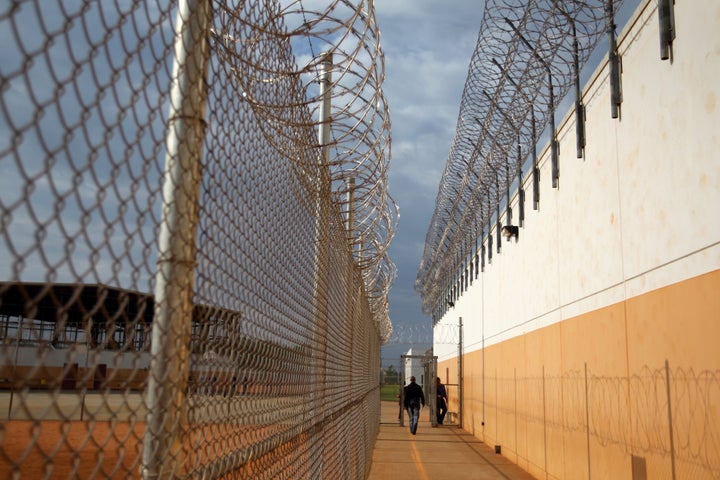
(428, 45)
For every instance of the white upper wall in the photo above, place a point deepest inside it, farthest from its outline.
(639, 212)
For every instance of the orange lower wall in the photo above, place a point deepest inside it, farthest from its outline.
(589, 397)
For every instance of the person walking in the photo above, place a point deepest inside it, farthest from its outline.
(414, 398)
(441, 401)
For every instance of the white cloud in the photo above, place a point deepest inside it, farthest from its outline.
(428, 46)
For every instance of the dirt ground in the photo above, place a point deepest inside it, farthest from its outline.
(61, 450)
(113, 449)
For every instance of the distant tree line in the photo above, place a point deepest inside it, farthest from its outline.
(391, 376)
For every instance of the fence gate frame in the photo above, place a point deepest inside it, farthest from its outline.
(429, 388)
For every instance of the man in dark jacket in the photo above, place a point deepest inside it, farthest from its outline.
(441, 400)
(414, 398)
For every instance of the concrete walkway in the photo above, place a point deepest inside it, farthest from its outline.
(444, 452)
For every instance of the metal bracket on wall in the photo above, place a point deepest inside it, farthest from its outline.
(666, 18)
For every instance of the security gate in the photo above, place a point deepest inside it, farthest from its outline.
(429, 364)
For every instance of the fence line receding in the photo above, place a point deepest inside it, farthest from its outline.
(529, 55)
(194, 279)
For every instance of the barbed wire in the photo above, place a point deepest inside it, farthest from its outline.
(221, 346)
(359, 116)
(528, 56)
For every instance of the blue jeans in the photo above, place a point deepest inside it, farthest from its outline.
(414, 415)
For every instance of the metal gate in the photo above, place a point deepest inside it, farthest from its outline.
(429, 363)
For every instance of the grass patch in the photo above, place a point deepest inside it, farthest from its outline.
(389, 393)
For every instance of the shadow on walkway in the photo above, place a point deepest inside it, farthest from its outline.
(444, 452)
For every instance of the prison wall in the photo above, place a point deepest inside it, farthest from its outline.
(590, 340)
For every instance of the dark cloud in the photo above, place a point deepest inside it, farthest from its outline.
(427, 45)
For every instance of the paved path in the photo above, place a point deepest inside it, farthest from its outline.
(445, 452)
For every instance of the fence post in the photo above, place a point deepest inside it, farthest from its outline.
(163, 455)
(587, 420)
(402, 390)
(460, 374)
(322, 232)
(431, 401)
(670, 417)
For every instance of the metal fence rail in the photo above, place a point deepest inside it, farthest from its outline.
(194, 233)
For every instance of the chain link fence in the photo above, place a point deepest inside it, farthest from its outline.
(194, 235)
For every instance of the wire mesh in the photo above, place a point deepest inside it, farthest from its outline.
(523, 65)
(194, 281)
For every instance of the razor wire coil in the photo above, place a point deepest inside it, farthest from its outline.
(290, 274)
(522, 67)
